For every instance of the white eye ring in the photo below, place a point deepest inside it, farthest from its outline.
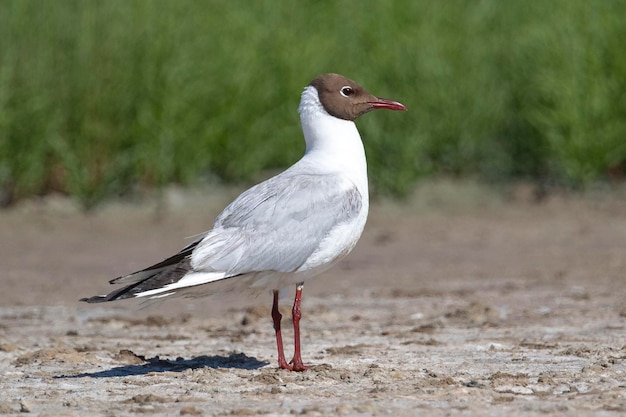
(346, 91)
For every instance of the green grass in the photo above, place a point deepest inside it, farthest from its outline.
(100, 98)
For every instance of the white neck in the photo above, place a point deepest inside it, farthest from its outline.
(333, 144)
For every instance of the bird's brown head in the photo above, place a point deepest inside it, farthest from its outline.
(345, 99)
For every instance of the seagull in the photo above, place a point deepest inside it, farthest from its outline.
(286, 229)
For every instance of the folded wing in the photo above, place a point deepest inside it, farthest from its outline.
(274, 226)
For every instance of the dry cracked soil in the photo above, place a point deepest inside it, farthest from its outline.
(456, 302)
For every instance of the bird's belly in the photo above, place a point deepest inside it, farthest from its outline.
(334, 247)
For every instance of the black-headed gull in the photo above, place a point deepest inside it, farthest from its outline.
(287, 229)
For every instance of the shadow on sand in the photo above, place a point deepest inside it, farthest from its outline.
(235, 360)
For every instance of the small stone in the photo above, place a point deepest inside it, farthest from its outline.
(190, 411)
(7, 347)
(24, 407)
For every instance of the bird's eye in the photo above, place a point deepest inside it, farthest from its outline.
(346, 91)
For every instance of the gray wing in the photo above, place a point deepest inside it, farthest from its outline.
(274, 226)
(160, 266)
(278, 224)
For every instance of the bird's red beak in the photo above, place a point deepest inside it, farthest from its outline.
(383, 103)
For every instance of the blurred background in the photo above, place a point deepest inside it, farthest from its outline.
(103, 99)
(127, 125)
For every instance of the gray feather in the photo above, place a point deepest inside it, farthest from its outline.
(157, 268)
(277, 225)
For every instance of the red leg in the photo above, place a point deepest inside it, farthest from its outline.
(276, 316)
(296, 362)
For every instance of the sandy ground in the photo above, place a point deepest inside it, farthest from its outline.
(456, 303)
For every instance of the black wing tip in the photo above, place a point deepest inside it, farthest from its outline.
(115, 280)
(95, 299)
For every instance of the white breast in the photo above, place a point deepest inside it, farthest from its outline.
(334, 147)
(339, 242)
